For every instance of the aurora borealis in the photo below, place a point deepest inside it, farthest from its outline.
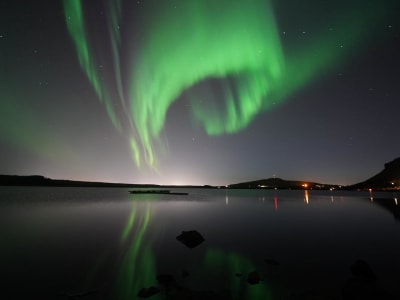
(152, 91)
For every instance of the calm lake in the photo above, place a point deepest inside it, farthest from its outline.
(104, 243)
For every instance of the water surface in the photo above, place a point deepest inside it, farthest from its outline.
(104, 243)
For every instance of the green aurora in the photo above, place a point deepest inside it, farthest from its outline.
(43, 142)
(192, 44)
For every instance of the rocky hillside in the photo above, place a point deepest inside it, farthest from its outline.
(388, 178)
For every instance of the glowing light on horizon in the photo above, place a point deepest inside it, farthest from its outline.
(192, 47)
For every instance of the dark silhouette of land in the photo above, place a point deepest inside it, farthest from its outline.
(38, 180)
(278, 183)
(387, 179)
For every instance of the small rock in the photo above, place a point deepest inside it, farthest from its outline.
(190, 238)
(253, 278)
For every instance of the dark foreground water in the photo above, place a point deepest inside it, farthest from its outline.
(102, 243)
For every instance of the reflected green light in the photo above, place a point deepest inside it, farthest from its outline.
(220, 263)
(129, 225)
(184, 45)
(138, 268)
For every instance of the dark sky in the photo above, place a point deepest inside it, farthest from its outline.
(199, 92)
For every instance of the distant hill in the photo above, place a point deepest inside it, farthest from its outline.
(38, 180)
(387, 179)
(279, 183)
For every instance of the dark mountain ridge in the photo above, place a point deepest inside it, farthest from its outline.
(387, 179)
(279, 183)
(38, 180)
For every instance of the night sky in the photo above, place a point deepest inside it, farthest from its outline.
(199, 91)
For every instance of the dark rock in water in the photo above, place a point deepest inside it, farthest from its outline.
(190, 238)
(271, 261)
(362, 271)
(253, 277)
(148, 292)
(363, 284)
